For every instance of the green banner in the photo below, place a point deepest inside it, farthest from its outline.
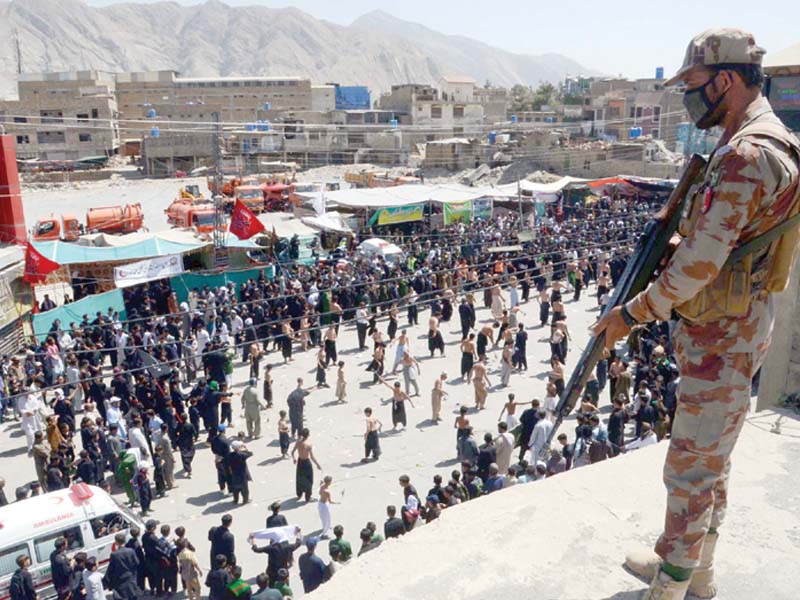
(392, 215)
(458, 211)
(482, 208)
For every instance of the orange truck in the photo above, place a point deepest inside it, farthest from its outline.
(195, 215)
(104, 219)
(251, 196)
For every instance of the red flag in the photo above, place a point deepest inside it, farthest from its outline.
(244, 222)
(37, 266)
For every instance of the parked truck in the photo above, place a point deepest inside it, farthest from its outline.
(104, 219)
(195, 215)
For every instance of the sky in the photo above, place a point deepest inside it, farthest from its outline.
(625, 37)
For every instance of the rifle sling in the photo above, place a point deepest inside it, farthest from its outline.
(763, 240)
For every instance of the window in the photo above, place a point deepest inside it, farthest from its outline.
(83, 117)
(46, 544)
(313, 135)
(654, 133)
(656, 114)
(8, 558)
(22, 139)
(20, 119)
(84, 137)
(458, 112)
(95, 113)
(109, 525)
(633, 112)
(50, 137)
(638, 112)
(436, 111)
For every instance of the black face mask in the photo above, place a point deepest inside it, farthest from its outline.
(700, 107)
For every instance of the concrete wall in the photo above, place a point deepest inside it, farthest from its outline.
(780, 373)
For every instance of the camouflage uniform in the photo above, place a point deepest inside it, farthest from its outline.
(753, 180)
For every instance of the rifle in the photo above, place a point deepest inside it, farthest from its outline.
(639, 270)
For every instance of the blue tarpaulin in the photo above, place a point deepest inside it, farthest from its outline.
(66, 253)
(73, 312)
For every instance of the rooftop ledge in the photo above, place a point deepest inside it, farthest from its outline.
(566, 537)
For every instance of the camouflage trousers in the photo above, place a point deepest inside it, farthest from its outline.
(713, 400)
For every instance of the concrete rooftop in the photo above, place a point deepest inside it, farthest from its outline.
(566, 537)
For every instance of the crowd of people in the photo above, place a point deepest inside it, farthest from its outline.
(140, 391)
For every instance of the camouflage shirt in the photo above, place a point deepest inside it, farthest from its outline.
(748, 177)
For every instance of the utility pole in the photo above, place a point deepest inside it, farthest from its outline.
(220, 251)
(19, 52)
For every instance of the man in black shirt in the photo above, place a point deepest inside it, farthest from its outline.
(528, 420)
(218, 579)
(393, 527)
(276, 519)
(60, 569)
(222, 541)
(486, 456)
(21, 586)
(616, 426)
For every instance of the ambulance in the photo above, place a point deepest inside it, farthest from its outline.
(86, 516)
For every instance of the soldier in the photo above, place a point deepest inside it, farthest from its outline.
(750, 185)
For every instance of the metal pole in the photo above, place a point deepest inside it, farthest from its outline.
(219, 215)
(519, 203)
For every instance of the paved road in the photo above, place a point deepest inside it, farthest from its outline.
(364, 490)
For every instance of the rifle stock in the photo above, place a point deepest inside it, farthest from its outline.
(639, 270)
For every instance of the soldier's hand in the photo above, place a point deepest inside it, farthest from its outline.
(672, 245)
(614, 327)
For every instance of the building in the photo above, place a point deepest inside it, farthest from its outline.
(453, 112)
(455, 154)
(494, 101)
(63, 116)
(167, 98)
(783, 85)
(352, 97)
(323, 98)
(457, 88)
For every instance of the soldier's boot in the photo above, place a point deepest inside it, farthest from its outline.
(645, 563)
(664, 587)
(702, 583)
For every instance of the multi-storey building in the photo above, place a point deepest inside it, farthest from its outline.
(63, 116)
(195, 99)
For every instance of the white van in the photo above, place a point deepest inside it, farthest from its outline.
(85, 515)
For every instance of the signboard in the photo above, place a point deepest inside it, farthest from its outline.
(482, 208)
(150, 269)
(391, 215)
(458, 212)
(784, 92)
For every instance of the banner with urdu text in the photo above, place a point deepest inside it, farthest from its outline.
(391, 215)
(482, 208)
(150, 269)
(458, 211)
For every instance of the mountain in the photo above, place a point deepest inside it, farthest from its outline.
(455, 54)
(216, 39)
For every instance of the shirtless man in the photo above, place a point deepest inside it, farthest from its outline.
(485, 336)
(371, 439)
(602, 283)
(461, 425)
(435, 341)
(325, 500)
(336, 313)
(304, 480)
(402, 348)
(330, 345)
(509, 410)
(544, 306)
(481, 382)
(437, 393)
(467, 356)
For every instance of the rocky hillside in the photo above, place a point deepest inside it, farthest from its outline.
(216, 39)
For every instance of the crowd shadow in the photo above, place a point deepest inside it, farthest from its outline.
(205, 499)
(355, 464)
(426, 423)
(272, 461)
(447, 463)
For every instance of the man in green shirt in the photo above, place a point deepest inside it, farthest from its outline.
(345, 551)
(281, 583)
(238, 589)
